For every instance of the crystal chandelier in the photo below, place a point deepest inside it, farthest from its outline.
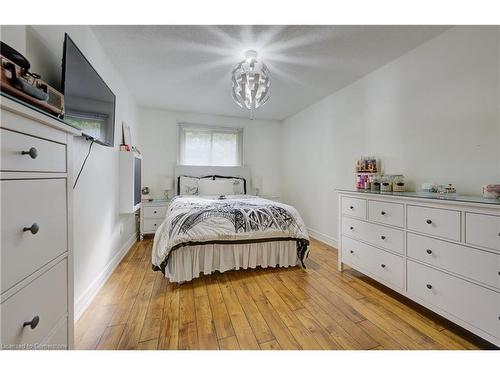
(251, 83)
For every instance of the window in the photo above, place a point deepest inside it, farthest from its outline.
(206, 145)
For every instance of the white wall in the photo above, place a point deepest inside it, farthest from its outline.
(158, 139)
(100, 232)
(432, 115)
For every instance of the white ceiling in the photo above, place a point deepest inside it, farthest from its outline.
(188, 68)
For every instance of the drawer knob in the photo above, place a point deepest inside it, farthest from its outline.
(32, 152)
(429, 286)
(154, 212)
(382, 265)
(352, 251)
(351, 228)
(351, 207)
(428, 251)
(428, 221)
(382, 213)
(33, 229)
(32, 323)
(383, 237)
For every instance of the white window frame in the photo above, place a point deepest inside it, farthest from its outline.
(212, 129)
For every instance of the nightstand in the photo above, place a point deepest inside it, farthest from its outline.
(152, 215)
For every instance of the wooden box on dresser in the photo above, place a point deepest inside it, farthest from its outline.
(36, 254)
(442, 252)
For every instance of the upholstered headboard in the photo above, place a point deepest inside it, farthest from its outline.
(202, 171)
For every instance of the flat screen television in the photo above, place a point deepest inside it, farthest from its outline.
(89, 104)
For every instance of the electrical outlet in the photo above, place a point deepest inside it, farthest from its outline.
(121, 228)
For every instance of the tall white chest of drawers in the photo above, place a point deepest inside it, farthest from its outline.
(442, 253)
(36, 276)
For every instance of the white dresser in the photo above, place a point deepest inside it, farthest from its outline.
(442, 253)
(36, 287)
(152, 215)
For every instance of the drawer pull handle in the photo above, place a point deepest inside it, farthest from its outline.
(382, 265)
(382, 213)
(352, 251)
(383, 237)
(428, 221)
(351, 228)
(32, 323)
(33, 229)
(428, 251)
(351, 207)
(32, 152)
(154, 211)
(429, 286)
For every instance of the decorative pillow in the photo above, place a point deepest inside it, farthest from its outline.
(188, 185)
(208, 186)
(238, 184)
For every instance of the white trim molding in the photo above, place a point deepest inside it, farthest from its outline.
(83, 301)
(323, 237)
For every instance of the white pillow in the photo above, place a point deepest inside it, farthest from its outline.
(238, 184)
(188, 185)
(207, 186)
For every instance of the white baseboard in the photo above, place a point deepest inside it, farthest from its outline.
(322, 237)
(86, 298)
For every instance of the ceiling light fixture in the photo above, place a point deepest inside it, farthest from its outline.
(251, 82)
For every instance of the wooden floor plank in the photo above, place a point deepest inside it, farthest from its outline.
(229, 343)
(274, 308)
(148, 345)
(169, 325)
(259, 326)
(111, 337)
(270, 345)
(243, 330)
(205, 323)
(188, 333)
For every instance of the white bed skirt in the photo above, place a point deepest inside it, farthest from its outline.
(189, 262)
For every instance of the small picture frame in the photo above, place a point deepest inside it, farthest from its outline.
(127, 137)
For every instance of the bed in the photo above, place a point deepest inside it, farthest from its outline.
(212, 224)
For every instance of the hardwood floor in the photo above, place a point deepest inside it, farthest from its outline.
(294, 308)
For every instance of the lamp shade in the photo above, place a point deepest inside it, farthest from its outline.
(166, 183)
(257, 182)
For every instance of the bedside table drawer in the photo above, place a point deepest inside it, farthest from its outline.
(151, 225)
(155, 212)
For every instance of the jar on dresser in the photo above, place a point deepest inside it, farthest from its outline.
(36, 288)
(442, 252)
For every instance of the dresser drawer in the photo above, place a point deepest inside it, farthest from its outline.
(155, 212)
(46, 156)
(151, 225)
(378, 235)
(482, 230)
(24, 203)
(434, 221)
(386, 266)
(354, 207)
(45, 297)
(475, 264)
(386, 213)
(467, 301)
